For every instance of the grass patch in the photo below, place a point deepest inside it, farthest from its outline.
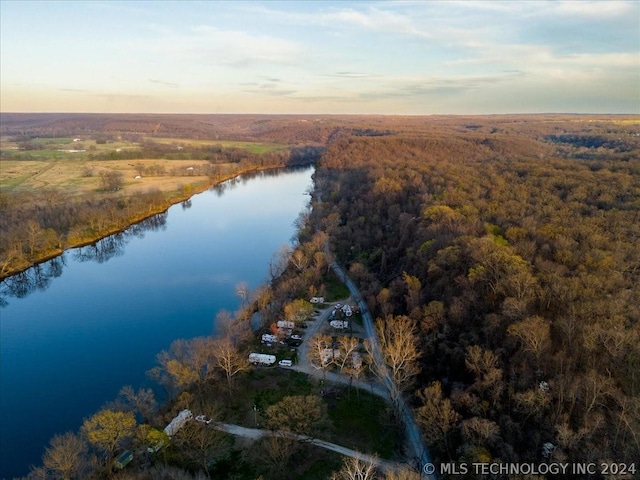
(364, 422)
(335, 289)
(271, 386)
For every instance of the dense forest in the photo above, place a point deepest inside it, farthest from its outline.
(501, 254)
(514, 249)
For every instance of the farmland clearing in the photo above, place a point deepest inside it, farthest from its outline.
(75, 164)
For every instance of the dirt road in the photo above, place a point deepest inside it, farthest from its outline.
(257, 434)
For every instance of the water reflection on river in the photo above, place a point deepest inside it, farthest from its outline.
(77, 328)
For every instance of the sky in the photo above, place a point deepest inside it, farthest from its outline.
(320, 57)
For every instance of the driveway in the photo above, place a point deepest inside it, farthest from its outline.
(257, 434)
(304, 366)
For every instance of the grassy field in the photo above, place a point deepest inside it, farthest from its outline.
(72, 175)
(67, 164)
(62, 148)
(351, 412)
(253, 147)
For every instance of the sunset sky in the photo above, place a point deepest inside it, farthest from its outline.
(400, 57)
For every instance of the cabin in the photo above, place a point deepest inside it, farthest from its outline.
(124, 459)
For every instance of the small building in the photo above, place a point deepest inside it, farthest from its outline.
(124, 459)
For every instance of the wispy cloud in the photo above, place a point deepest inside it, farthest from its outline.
(390, 56)
(351, 75)
(273, 89)
(234, 48)
(164, 83)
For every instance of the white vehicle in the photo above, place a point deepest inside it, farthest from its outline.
(268, 338)
(339, 324)
(317, 300)
(262, 359)
(296, 337)
(285, 324)
(178, 422)
(285, 363)
(203, 419)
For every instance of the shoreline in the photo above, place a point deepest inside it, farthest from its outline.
(173, 197)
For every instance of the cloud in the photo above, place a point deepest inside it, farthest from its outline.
(271, 88)
(231, 47)
(430, 86)
(163, 83)
(367, 18)
(592, 9)
(351, 75)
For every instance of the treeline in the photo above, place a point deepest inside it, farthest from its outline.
(212, 377)
(36, 225)
(521, 271)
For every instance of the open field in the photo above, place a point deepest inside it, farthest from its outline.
(253, 147)
(74, 163)
(60, 148)
(78, 177)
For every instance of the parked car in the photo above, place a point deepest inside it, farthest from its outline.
(285, 363)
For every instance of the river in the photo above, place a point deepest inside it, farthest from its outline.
(74, 330)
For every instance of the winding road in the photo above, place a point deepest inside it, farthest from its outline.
(417, 449)
(256, 434)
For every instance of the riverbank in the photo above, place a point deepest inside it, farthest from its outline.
(170, 198)
(115, 306)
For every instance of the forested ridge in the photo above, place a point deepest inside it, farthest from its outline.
(516, 253)
(500, 255)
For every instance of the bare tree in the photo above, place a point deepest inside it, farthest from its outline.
(301, 414)
(320, 352)
(143, 401)
(66, 456)
(276, 452)
(185, 363)
(534, 333)
(111, 180)
(242, 290)
(229, 358)
(399, 345)
(237, 327)
(347, 346)
(202, 445)
(356, 468)
(403, 473)
(263, 297)
(299, 259)
(436, 416)
(278, 264)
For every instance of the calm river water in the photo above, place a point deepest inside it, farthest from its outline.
(75, 330)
